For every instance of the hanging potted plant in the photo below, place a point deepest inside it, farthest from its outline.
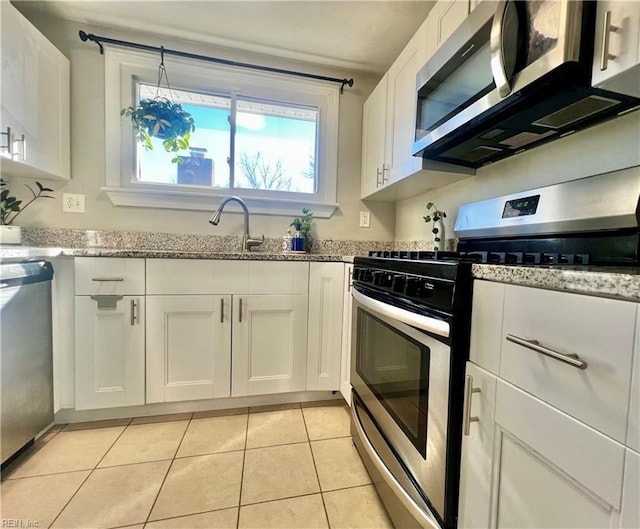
(11, 207)
(162, 118)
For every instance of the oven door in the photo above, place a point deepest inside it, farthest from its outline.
(400, 371)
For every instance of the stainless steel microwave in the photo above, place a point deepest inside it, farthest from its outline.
(514, 75)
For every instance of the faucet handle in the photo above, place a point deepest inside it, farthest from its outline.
(250, 243)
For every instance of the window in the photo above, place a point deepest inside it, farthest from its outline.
(271, 139)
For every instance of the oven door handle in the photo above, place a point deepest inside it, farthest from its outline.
(426, 323)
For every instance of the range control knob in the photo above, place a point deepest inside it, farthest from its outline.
(419, 288)
(399, 283)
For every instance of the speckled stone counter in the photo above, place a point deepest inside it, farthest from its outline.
(617, 283)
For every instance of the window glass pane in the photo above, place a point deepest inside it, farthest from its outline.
(275, 146)
(205, 164)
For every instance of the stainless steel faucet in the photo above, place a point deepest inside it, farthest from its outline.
(247, 241)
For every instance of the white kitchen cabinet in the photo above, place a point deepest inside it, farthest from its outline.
(188, 347)
(109, 332)
(617, 39)
(347, 308)
(551, 470)
(35, 101)
(222, 327)
(477, 450)
(269, 347)
(324, 331)
(374, 125)
(633, 430)
(597, 331)
(110, 347)
(630, 516)
(389, 169)
(486, 326)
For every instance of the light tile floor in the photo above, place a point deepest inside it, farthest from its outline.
(289, 467)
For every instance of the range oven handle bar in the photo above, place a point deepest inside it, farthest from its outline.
(534, 345)
(422, 518)
(426, 323)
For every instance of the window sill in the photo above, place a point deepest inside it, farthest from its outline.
(194, 201)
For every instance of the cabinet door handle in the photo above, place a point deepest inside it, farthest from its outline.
(107, 279)
(607, 28)
(240, 311)
(378, 177)
(385, 169)
(221, 310)
(23, 151)
(469, 390)
(534, 345)
(134, 306)
(9, 145)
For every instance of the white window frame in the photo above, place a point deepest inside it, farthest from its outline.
(123, 68)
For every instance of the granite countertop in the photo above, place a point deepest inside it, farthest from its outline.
(610, 282)
(26, 252)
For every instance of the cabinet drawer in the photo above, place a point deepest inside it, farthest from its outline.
(108, 276)
(591, 460)
(599, 332)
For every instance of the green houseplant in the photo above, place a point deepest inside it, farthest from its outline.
(303, 225)
(163, 119)
(438, 226)
(11, 207)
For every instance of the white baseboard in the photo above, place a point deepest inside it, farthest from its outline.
(69, 415)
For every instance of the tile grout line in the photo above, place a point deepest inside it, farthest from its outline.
(89, 474)
(315, 468)
(164, 479)
(244, 458)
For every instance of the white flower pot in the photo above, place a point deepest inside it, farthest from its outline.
(10, 235)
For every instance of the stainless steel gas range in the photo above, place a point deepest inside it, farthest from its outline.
(411, 327)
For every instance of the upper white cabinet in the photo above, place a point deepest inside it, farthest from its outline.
(35, 101)
(389, 170)
(616, 64)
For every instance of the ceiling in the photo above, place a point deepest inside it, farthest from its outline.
(361, 35)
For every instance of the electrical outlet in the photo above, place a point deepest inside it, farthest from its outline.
(72, 203)
(365, 219)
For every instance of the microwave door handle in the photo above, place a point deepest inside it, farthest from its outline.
(497, 50)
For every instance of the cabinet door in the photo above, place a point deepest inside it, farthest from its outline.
(551, 470)
(109, 348)
(633, 429)
(621, 71)
(345, 370)
(443, 20)
(35, 99)
(630, 516)
(477, 450)
(374, 123)
(401, 110)
(269, 350)
(324, 343)
(188, 347)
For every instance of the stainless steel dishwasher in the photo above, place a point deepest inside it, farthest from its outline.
(26, 359)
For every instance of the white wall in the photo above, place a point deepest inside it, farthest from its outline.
(606, 147)
(88, 152)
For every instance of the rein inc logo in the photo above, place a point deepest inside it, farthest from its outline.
(17, 522)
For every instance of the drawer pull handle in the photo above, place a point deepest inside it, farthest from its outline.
(221, 310)
(240, 311)
(534, 345)
(134, 306)
(469, 390)
(107, 279)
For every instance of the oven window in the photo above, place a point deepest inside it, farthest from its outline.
(396, 369)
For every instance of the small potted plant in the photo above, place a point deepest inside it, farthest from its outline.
(11, 207)
(161, 118)
(438, 226)
(303, 225)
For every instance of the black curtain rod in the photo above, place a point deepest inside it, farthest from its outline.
(99, 40)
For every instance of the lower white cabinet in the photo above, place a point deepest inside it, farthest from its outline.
(269, 347)
(188, 347)
(324, 342)
(477, 449)
(347, 307)
(110, 351)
